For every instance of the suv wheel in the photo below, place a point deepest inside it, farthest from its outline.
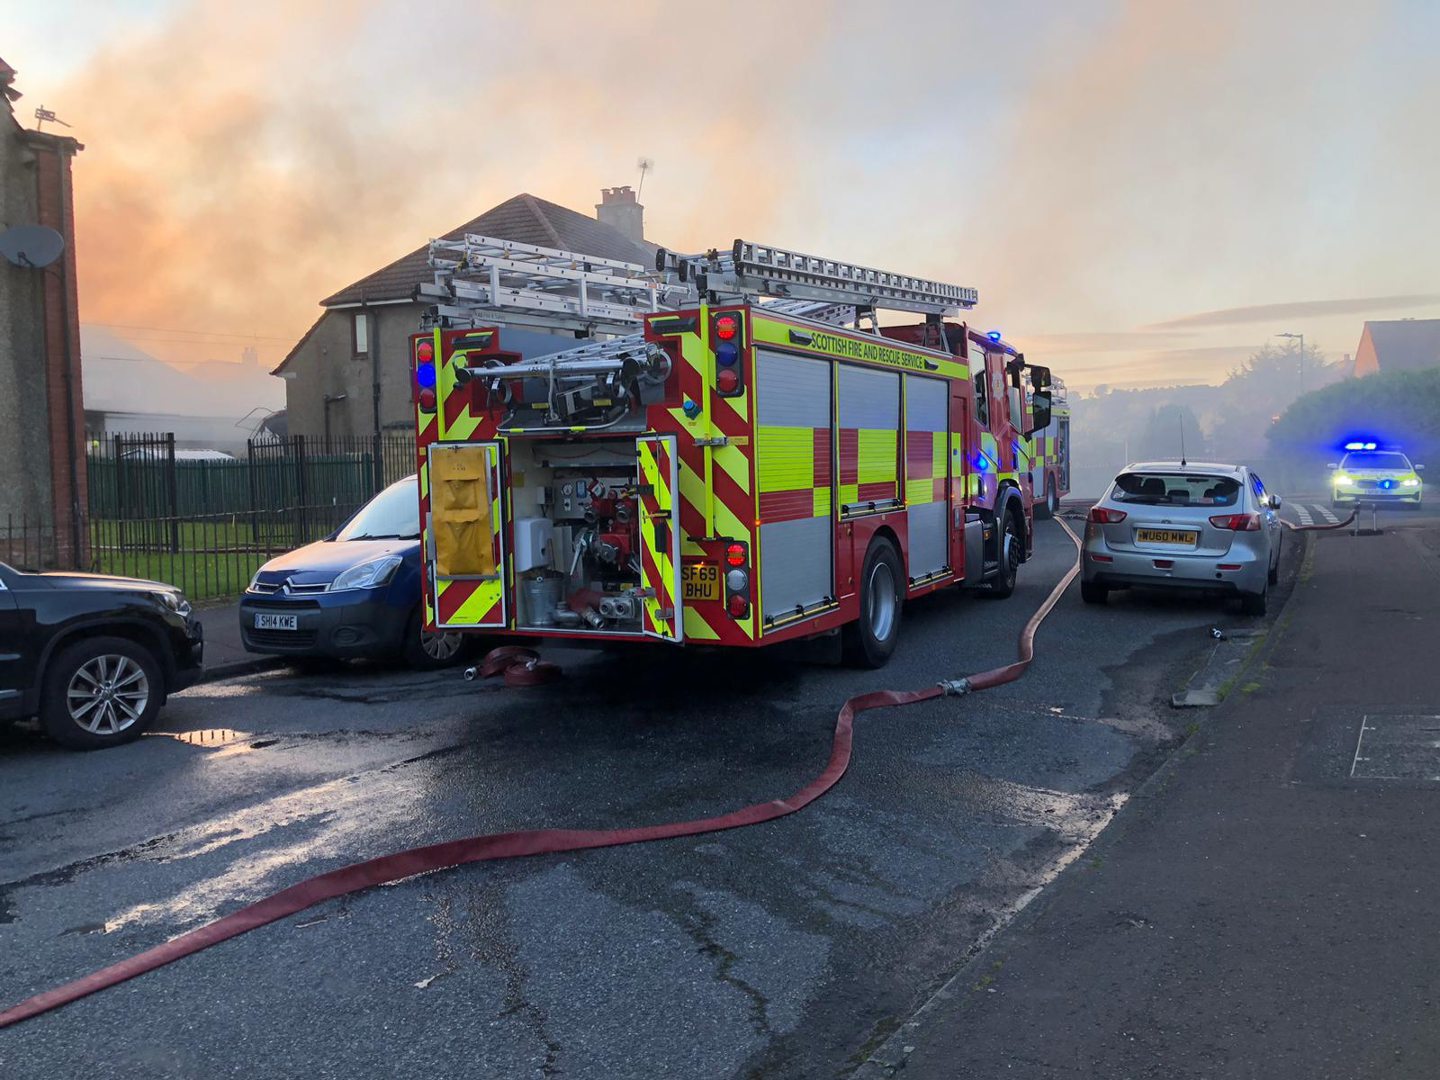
(100, 691)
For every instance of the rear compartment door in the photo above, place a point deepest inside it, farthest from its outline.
(466, 555)
(660, 537)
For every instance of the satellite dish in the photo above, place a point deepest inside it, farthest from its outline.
(32, 246)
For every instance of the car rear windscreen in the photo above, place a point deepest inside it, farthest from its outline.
(1175, 489)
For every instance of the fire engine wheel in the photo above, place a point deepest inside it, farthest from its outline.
(1049, 506)
(1011, 549)
(869, 641)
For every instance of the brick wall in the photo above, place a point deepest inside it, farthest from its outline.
(64, 393)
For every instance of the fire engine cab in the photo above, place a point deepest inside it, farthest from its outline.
(736, 453)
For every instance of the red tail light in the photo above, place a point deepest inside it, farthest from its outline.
(727, 380)
(735, 554)
(1237, 522)
(424, 352)
(726, 327)
(738, 606)
(1103, 515)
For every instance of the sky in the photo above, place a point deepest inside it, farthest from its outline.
(1144, 193)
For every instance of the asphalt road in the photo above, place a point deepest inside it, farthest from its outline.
(784, 950)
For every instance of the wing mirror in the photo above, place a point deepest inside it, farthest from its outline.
(1419, 468)
(1274, 502)
(1333, 465)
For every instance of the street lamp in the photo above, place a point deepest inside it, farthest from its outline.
(1302, 356)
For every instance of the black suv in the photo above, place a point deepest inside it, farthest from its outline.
(94, 656)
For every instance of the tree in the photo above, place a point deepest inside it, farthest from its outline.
(1399, 408)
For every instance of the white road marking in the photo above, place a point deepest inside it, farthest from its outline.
(1304, 515)
(1328, 515)
(1364, 727)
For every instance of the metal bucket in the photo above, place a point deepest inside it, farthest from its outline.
(540, 594)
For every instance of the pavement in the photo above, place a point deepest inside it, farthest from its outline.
(225, 655)
(1265, 904)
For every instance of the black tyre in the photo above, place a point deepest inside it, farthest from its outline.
(1274, 575)
(431, 651)
(1010, 548)
(100, 691)
(869, 641)
(1045, 507)
(1093, 592)
(1254, 603)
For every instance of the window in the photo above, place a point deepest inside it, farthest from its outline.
(982, 391)
(361, 333)
(1376, 461)
(1176, 489)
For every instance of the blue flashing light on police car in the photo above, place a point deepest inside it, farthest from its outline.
(1360, 446)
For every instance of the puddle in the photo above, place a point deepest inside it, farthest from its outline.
(224, 741)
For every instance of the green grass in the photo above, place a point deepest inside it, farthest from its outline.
(212, 559)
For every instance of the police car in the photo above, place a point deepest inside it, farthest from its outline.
(1367, 474)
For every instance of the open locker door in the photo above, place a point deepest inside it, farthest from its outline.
(465, 535)
(660, 537)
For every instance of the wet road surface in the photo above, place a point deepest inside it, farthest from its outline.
(784, 950)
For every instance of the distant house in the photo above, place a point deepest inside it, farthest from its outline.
(349, 374)
(205, 405)
(42, 445)
(1398, 345)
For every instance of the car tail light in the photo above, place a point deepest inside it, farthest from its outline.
(1101, 558)
(1237, 522)
(1227, 566)
(1103, 515)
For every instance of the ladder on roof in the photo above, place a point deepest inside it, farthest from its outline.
(754, 270)
(481, 279)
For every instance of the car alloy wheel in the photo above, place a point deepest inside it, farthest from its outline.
(107, 694)
(441, 646)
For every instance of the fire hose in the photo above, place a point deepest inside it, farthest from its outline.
(513, 845)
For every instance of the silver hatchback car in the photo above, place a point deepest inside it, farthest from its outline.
(1170, 524)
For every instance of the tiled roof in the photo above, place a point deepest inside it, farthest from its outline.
(1405, 344)
(524, 219)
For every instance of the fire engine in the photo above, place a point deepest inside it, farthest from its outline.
(736, 453)
(1049, 454)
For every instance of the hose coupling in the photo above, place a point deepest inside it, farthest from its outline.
(955, 687)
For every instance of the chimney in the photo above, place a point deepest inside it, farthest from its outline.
(618, 209)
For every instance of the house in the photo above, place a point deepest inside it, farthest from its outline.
(349, 374)
(1398, 345)
(42, 442)
(205, 405)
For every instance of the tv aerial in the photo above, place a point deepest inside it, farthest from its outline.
(645, 165)
(31, 246)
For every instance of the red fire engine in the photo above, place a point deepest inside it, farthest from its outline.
(749, 459)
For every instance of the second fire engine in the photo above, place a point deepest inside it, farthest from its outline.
(738, 455)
